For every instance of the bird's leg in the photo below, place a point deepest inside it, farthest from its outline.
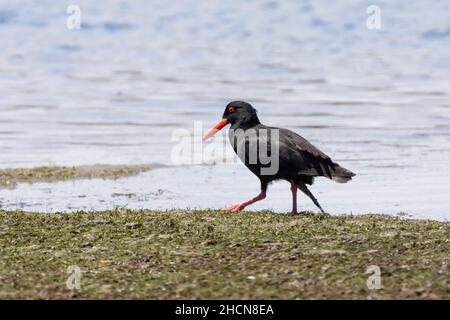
(305, 190)
(294, 197)
(241, 205)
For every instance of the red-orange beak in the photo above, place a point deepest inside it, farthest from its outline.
(222, 123)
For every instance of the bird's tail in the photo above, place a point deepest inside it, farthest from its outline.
(341, 175)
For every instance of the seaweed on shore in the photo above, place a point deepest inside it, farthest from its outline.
(207, 254)
(10, 177)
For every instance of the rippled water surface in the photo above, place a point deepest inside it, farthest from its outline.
(377, 101)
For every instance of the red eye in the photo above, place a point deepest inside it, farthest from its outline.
(231, 110)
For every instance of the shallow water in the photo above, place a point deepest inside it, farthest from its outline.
(114, 92)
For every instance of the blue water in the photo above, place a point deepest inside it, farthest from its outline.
(114, 91)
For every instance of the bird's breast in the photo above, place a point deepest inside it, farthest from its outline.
(256, 148)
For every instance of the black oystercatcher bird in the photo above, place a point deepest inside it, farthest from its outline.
(275, 154)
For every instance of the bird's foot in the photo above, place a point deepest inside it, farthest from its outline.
(294, 213)
(234, 208)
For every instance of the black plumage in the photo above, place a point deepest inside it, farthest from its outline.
(299, 162)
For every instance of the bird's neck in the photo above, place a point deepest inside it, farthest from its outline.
(246, 124)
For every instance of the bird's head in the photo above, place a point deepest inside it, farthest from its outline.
(239, 114)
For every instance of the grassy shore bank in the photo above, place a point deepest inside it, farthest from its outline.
(208, 254)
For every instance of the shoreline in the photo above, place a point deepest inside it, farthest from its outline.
(105, 187)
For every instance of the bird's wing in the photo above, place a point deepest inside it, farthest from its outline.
(301, 144)
(310, 160)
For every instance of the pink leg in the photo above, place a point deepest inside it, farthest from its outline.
(294, 197)
(240, 206)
